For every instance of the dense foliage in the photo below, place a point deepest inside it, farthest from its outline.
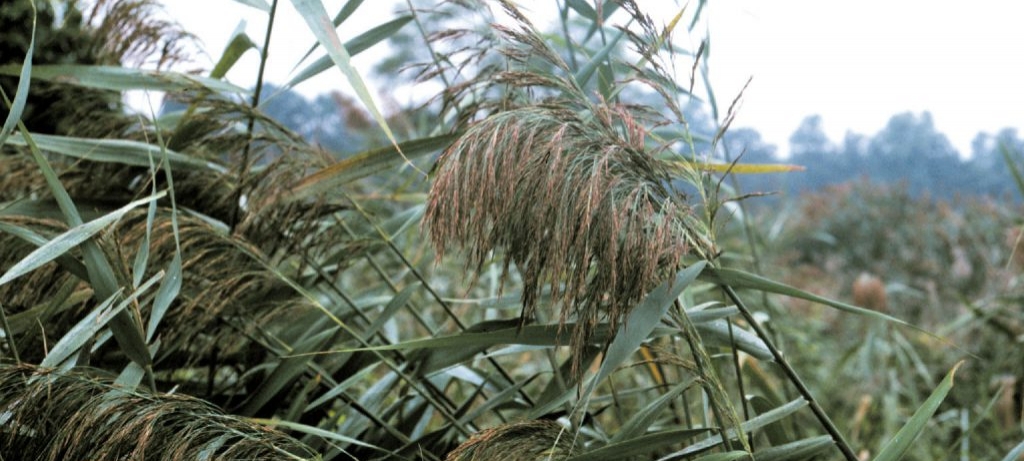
(548, 259)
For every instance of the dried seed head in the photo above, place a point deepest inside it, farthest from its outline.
(577, 208)
(869, 292)
(539, 440)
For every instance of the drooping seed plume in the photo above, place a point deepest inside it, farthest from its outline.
(577, 208)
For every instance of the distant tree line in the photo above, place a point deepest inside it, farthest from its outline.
(908, 151)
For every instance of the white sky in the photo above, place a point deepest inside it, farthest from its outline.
(859, 62)
(856, 63)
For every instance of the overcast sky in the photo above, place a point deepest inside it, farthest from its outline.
(854, 63)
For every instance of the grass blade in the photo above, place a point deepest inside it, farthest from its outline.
(355, 46)
(123, 78)
(733, 168)
(124, 326)
(799, 450)
(340, 388)
(752, 424)
(70, 239)
(88, 327)
(80, 334)
(168, 290)
(583, 8)
(1018, 177)
(316, 17)
(21, 94)
(740, 279)
(367, 163)
(1015, 453)
(639, 446)
(587, 71)
(717, 333)
(642, 320)
(69, 263)
(142, 254)
(397, 302)
(261, 5)
(900, 443)
(286, 371)
(327, 435)
(62, 299)
(120, 151)
(501, 332)
(132, 374)
(727, 456)
(346, 10)
(644, 418)
(239, 44)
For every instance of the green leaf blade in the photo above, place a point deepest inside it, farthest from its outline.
(21, 93)
(123, 78)
(121, 151)
(355, 46)
(367, 163)
(68, 240)
(644, 318)
(312, 11)
(900, 443)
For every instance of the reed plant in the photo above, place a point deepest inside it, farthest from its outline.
(537, 251)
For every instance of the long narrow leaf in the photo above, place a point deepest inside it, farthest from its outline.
(326, 435)
(312, 11)
(340, 388)
(747, 426)
(68, 240)
(493, 402)
(737, 168)
(639, 446)
(239, 44)
(261, 5)
(80, 334)
(286, 372)
(396, 303)
(799, 450)
(60, 300)
(587, 71)
(900, 443)
(142, 255)
(583, 8)
(740, 279)
(21, 93)
(133, 373)
(168, 290)
(355, 46)
(1011, 165)
(88, 327)
(1015, 453)
(120, 151)
(123, 78)
(69, 263)
(550, 335)
(717, 334)
(642, 320)
(643, 419)
(346, 10)
(104, 282)
(727, 456)
(367, 163)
